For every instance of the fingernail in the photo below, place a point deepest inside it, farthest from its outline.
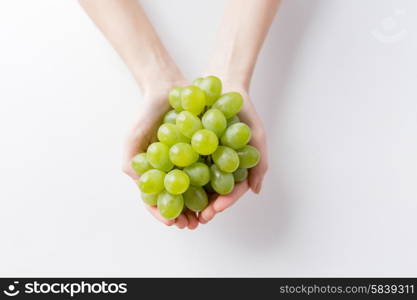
(258, 188)
(208, 213)
(135, 177)
(255, 188)
(217, 208)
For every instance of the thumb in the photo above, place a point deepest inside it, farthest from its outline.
(135, 143)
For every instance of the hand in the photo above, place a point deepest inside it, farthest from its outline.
(142, 134)
(248, 115)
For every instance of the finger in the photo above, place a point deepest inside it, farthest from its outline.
(137, 142)
(181, 221)
(207, 214)
(257, 173)
(154, 211)
(256, 176)
(258, 187)
(127, 169)
(192, 220)
(205, 217)
(201, 220)
(225, 201)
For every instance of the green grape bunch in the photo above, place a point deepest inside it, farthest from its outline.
(202, 149)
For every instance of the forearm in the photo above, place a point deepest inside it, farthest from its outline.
(126, 26)
(243, 30)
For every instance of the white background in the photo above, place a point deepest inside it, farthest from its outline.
(335, 85)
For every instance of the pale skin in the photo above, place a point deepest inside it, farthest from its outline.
(244, 28)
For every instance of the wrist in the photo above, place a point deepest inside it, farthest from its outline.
(232, 75)
(156, 87)
(155, 71)
(162, 83)
(232, 61)
(160, 80)
(230, 82)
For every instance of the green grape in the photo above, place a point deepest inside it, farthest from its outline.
(174, 98)
(214, 120)
(158, 156)
(188, 124)
(169, 134)
(170, 116)
(182, 155)
(197, 81)
(212, 86)
(222, 182)
(193, 99)
(140, 164)
(229, 104)
(199, 173)
(176, 182)
(226, 159)
(236, 136)
(195, 198)
(152, 182)
(240, 174)
(204, 142)
(233, 120)
(170, 206)
(150, 199)
(248, 156)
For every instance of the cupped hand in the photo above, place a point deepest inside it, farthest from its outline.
(256, 175)
(141, 135)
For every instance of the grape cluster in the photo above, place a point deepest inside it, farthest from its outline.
(203, 148)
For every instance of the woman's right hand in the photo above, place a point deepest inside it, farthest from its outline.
(256, 175)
